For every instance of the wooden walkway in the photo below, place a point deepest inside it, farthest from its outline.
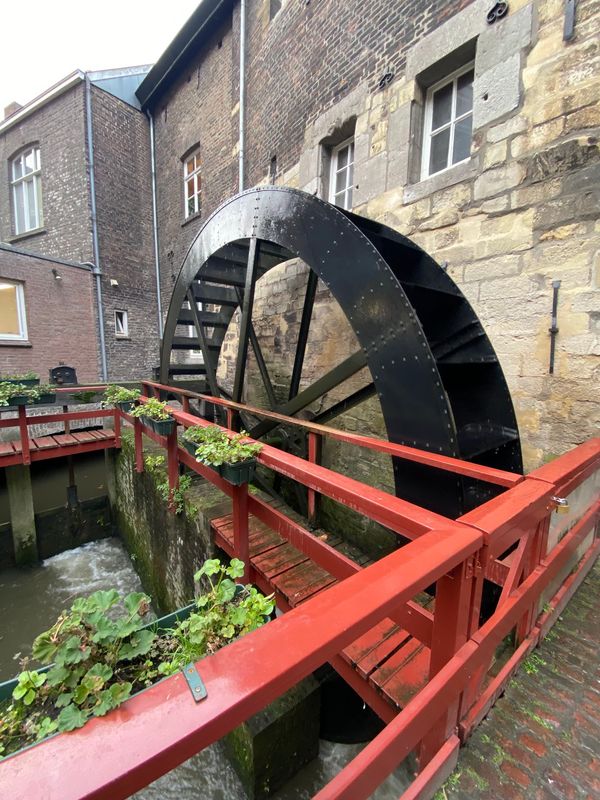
(58, 445)
(387, 658)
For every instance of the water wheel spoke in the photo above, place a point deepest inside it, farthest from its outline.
(246, 318)
(309, 301)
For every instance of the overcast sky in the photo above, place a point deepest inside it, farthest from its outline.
(44, 40)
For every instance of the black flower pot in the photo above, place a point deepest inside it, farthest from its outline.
(190, 447)
(46, 399)
(238, 473)
(161, 426)
(19, 400)
(126, 406)
(21, 382)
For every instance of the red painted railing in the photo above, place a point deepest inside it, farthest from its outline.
(154, 732)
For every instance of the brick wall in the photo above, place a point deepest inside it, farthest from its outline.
(124, 212)
(59, 129)
(197, 110)
(60, 318)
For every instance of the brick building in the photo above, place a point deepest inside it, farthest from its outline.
(75, 186)
(473, 133)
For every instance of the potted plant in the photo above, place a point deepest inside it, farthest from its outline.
(16, 394)
(26, 379)
(101, 652)
(125, 399)
(196, 435)
(232, 456)
(153, 413)
(43, 394)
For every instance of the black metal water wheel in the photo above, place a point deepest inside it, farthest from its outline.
(433, 368)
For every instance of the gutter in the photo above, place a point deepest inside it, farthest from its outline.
(242, 112)
(155, 223)
(96, 271)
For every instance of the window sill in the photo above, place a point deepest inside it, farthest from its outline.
(20, 236)
(14, 343)
(441, 180)
(187, 220)
(122, 338)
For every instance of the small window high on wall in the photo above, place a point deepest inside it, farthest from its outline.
(192, 184)
(26, 183)
(448, 122)
(121, 324)
(342, 174)
(13, 323)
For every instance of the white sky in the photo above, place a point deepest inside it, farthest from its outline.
(44, 40)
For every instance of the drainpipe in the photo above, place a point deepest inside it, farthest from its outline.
(155, 222)
(242, 91)
(96, 271)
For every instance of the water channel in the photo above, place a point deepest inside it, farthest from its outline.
(30, 601)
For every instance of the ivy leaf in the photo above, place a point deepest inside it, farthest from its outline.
(102, 671)
(104, 705)
(226, 591)
(46, 727)
(137, 603)
(120, 692)
(235, 568)
(138, 645)
(102, 600)
(106, 629)
(44, 648)
(228, 631)
(57, 675)
(210, 567)
(63, 699)
(238, 615)
(74, 676)
(70, 718)
(81, 694)
(72, 652)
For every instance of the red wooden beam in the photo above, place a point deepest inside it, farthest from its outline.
(116, 755)
(478, 471)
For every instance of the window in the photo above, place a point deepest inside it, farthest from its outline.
(192, 184)
(26, 180)
(13, 324)
(121, 324)
(448, 122)
(342, 174)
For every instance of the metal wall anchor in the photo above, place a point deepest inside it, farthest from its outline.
(195, 682)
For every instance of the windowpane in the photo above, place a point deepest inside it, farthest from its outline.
(464, 94)
(31, 205)
(190, 166)
(9, 311)
(19, 208)
(38, 199)
(438, 158)
(340, 181)
(442, 106)
(462, 139)
(342, 158)
(17, 168)
(348, 204)
(29, 161)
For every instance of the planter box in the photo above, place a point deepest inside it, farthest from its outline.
(238, 473)
(19, 400)
(24, 382)
(161, 426)
(45, 399)
(190, 447)
(157, 625)
(126, 406)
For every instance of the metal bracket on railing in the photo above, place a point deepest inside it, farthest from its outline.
(562, 505)
(195, 682)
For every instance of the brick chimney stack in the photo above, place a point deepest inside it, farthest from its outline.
(11, 109)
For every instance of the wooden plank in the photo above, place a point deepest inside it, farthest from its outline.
(365, 643)
(96, 435)
(301, 582)
(278, 560)
(45, 443)
(394, 663)
(381, 652)
(64, 439)
(6, 449)
(402, 684)
(105, 433)
(83, 436)
(261, 538)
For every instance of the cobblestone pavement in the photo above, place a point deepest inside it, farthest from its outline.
(542, 738)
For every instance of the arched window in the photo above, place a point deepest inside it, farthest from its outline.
(26, 181)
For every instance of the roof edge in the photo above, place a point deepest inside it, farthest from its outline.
(54, 91)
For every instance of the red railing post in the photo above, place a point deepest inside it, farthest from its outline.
(185, 404)
(24, 434)
(314, 456)
(230, 418)
(139, 445)
(172, 466)
(144, 389)
(117, 426)
(451, 620)
(241, 543)
(537, 552)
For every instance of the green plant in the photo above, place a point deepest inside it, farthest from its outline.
(177, 496)
(215, 447)
(120, 394)
(154, 464)
(85, 397)
(224, 612)
(101, 652)
(152, 409)
(532, 664)
(25, 376)
(32, 393)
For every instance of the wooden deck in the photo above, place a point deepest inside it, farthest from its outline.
(58, 445)
(388, 659)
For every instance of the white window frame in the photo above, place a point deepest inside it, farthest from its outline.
(196, 176)
(122, 334)
(32, 189)
(334, 171)
(21, 314)
(428, 120)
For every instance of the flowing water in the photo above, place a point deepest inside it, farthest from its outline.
(31, 600)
